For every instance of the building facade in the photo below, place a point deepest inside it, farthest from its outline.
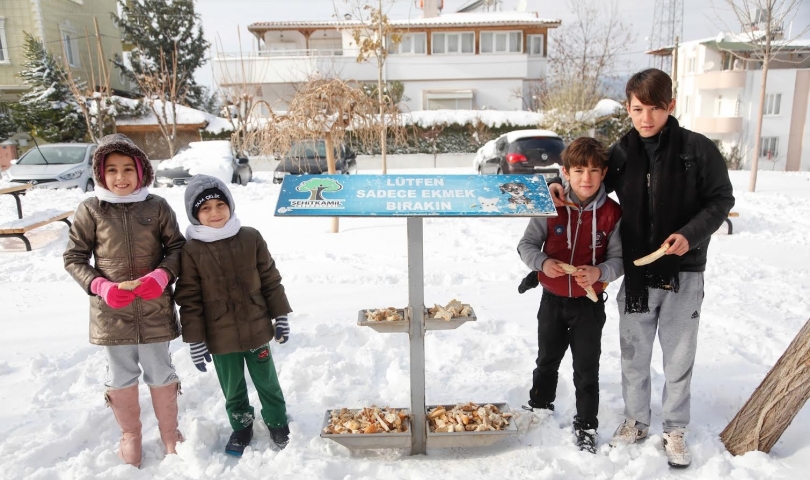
(456, 61)
(718, 85)
(67, 28)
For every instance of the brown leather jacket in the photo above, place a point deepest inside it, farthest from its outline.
(229, 291)
(127, 241)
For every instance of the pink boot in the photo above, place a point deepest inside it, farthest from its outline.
(127, 411)
(164, 401)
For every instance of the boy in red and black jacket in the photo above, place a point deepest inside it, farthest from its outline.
(584, 234)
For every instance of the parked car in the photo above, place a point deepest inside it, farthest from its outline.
(56, 165)
(309, 156)
(214, 158)
(525, 152)
(486, 151)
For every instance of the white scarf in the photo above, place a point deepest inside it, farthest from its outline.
(138, 195)
(210, 234)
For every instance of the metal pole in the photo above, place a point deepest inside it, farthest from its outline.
(416, 333)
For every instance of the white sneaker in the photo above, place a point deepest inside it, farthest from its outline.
(628, 433)
(675, 447)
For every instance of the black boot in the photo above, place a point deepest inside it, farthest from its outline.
(536, 406)
(586, 435)
(239, 440)
(280, 436)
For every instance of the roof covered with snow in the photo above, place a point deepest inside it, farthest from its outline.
(453, 19)
(185, 116)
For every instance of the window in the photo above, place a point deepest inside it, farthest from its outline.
(3, 44)
(772, 102)
(411, 44)
(718, 106)
(769, 147)
(687, 104)
(501, 42)
(690, 64)
(71, 46)
(449, 100)
(536, 44)
(453, 42)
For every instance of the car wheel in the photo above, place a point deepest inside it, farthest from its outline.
(90, 186)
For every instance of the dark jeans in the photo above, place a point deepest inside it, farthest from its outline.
(578, 322)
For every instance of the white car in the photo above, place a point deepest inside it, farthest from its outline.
(486, 151)
(213, 157)
(56, 165)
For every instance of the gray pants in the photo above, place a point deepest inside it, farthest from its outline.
(123, 369)
(676, 317)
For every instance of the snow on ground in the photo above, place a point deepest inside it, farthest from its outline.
(54, 423)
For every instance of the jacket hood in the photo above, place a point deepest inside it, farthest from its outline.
(122, 144)
(198, 184)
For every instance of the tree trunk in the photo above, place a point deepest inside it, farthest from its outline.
(330, 162)
(766, 57)
(767, 414)
(383, 120)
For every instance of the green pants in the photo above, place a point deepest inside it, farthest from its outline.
(231, 372)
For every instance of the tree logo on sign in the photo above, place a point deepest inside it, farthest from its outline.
(317, 186)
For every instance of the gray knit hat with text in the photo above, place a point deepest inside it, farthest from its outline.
(200, 186)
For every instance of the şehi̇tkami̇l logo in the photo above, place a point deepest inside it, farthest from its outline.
(316, 187)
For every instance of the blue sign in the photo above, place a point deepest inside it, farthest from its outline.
(415, 196)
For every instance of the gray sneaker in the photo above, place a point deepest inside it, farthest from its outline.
(675, 447)
(628, 433)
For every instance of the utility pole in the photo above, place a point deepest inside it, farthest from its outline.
(675, 69)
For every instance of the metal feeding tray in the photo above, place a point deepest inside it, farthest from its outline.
(442, 324)
(384, 326)
(404, 325)
(368, 441)
(469, 439)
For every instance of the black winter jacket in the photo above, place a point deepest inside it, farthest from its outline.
(707, 181)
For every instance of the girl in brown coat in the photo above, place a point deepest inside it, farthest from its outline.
(134, 239)
(229, 292)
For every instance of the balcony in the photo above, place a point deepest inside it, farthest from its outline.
(293, 66)
(709, 125)
(722, 80)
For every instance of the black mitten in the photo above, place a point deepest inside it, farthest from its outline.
(531, 281)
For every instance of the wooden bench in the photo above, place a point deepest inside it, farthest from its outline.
(18, 228)
(728, 221)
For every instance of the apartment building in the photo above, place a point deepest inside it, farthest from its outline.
(58, 23)
(467, 60)
(718, 87)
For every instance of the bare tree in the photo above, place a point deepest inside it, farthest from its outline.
(161, 91)
(324, 108)
(374, 35)
(763, 24)
(585, 53)
(244, 111)
(96, 101)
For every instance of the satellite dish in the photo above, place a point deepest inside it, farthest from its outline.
(708, 66)
(521, 6)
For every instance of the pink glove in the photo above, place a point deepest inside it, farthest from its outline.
(112, 295)
(152, 284)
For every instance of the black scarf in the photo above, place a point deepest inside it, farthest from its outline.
(643, 228)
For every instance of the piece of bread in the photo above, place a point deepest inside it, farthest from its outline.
(129, 285)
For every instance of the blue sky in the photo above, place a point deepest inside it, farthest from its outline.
(224, 20)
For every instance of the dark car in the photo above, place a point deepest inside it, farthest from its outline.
(525, 152)
(211, 158)
(309, 157)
